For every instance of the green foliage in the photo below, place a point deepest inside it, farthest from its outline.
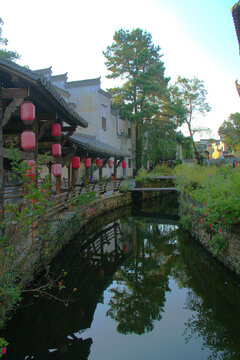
(218, 244)
(215, 192)
(191, 94)
(125, 187)
(4, 53)
(135, 60)
(230, 131)
(186, 222)
(83, 199)
(3, 346)
(141, 174)
(161, 170)
(18, 229)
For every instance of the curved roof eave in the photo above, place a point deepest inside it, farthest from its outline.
(90, 144)
(69, 115)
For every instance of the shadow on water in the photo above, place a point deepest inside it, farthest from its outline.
(134, 252)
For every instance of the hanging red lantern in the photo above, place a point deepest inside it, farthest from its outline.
(56, 150)
(110, 164)
(27, 112)
(125, 249)
(75, 162)
(56, 169)
(28, 141)
(99, 162)
(124, 164)
(87, 162)
(56, 130)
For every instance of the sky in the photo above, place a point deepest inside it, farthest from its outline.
(197, 38)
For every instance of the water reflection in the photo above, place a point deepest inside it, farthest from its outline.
(135, 258)
(145, 275)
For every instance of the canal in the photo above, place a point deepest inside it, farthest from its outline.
(132, 285)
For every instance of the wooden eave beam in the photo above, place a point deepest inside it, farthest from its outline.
(70, 132)
(66, 158)
(14, 93)
(44, 127)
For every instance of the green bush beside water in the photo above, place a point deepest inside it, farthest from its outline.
(215, 192)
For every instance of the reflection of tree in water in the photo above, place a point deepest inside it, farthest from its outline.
(139, 298)
(214, 300)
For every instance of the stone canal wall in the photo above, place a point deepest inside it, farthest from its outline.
(69, 223)
(224, 245)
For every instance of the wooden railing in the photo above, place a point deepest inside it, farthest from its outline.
(13, 194)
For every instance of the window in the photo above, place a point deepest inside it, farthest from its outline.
(129, 163)
(104, 123)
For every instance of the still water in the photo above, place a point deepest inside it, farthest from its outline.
(132, 286)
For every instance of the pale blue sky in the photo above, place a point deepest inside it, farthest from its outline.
(197, 38)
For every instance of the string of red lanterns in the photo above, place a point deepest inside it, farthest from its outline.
(56, 168)
(28, 138)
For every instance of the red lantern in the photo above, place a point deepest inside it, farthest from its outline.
(56, 150)
(27, 112)
(87, 162)
(110, 164)
(56, 130)
(124, 164)
(125, 248)
(75, 162)
(28, 141)
(57, 169)
(99, 162)
(31, 168)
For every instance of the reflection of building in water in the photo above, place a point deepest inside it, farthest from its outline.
(89, 267)
(113, 243)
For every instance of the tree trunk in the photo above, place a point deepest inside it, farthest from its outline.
(193, 143)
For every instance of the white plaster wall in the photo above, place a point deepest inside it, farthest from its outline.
(92, 105)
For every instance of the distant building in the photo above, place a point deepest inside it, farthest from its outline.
(214, 149)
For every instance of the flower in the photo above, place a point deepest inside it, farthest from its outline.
(4, 350)
(60, 283)
(211, 225)
(192, 206)
(92, 210)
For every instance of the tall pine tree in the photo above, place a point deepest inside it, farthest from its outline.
(136, 62)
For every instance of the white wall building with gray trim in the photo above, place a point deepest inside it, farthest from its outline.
(94, 104)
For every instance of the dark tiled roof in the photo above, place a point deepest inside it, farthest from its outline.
(70, 116)
(105, 93)
(80, 83)
(236, 19)
(59, 77)
(90, 144)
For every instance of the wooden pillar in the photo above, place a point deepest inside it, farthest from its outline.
(115, 177)
(87, 180)
(101, 194)
(69, 176)
(1, 157)
(58, 184)
(74, 178)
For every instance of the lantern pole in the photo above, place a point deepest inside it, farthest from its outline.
(1, 157)
(100, 182)
(74, 178)
(115, 177)
(58, 184)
